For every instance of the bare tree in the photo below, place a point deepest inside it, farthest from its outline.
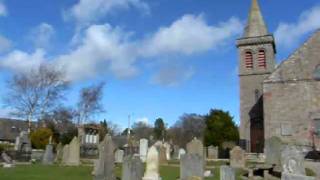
(142, 130)
(36, 93)
(90, 102)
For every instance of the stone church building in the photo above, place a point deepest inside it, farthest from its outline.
(277, 100)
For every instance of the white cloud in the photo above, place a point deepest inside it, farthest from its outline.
(19, 61)
(172, 75)
(103, 49)
(5, 113)
(5, 44)
(3, 9)
(289, 34)
(191, 34)
(88, 11)
(42, 35)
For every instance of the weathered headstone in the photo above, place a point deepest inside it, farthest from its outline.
(195, 147)
(227, 173)
(23, 143)
(287, 176)
(152, 169)
(273, 148)
(292, 160)
(65, 154)
(168, 150)
(213, 152)
(73, 158)
(7, 159)
(162, 155)
(191, 165)
(181, 153)
(175, 152)
(119, 156)
(132, 168)
(105, 164)
(48, 156)
(143, 149)
(237, 157)
(59, 150)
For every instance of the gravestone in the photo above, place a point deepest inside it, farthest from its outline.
(65, 154)
(105, 164)
(119, 156)
(191, 165)
(287, 176)
(237, 157)
(195, 147)
(292, 160)
(23, 143)
(273, 148)
(213, 152)
(59, 150)
(152, 169)
(7, 159)
(132, 168)
(48, 156)
(227, 173)
(143, 149)
(181, 153)
(73, 158)
(168, 150)
(175, 152)
(163, 155)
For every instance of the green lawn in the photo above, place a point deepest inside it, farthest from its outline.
(39, 172)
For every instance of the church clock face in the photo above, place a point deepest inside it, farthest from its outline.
(316, 73)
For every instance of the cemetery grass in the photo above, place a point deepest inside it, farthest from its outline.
(55, 172)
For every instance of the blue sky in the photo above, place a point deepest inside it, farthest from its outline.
(159, 58)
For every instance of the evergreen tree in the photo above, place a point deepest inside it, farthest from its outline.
(159, 129)
(219, 128)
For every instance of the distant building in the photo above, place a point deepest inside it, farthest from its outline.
(10, 129)
(282, 101)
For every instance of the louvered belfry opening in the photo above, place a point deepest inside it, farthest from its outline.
(249, 60)
(262, 63)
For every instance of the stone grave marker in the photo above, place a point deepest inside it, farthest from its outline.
(163, 155)
(288, 176)
(105, 164)
(191, 165)
(292, 160)
(73, 158)
(59, 153)
(152, 169)
(48, 156)
(181, 153)
(227, 173)
(119, 156)
(143, 149)
(65, 154)
(195, 147)
(132, 168)
(237, 157)
(273, 148)
(213, 152)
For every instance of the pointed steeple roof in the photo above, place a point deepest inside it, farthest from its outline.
(256, 25)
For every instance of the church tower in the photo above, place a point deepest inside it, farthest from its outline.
(257, 61)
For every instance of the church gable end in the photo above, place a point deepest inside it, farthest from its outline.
(301, 64)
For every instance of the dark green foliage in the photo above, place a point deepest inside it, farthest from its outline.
(219, 128)
(40, 137)
(67, 137)
(159, 129)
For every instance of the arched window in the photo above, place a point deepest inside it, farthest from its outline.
(249, 60)
(262, 63)
(316, 73)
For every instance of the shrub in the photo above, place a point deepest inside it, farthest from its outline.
(40, 138)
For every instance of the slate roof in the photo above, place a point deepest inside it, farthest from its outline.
(11, 128)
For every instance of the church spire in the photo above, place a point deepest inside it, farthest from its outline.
(256, 25)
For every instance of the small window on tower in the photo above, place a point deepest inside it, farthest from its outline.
(262, 63)
(249, 60)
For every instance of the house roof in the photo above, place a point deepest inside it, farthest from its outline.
(11, 128)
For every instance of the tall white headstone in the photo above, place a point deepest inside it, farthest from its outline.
(152, 170)
(143, 149)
